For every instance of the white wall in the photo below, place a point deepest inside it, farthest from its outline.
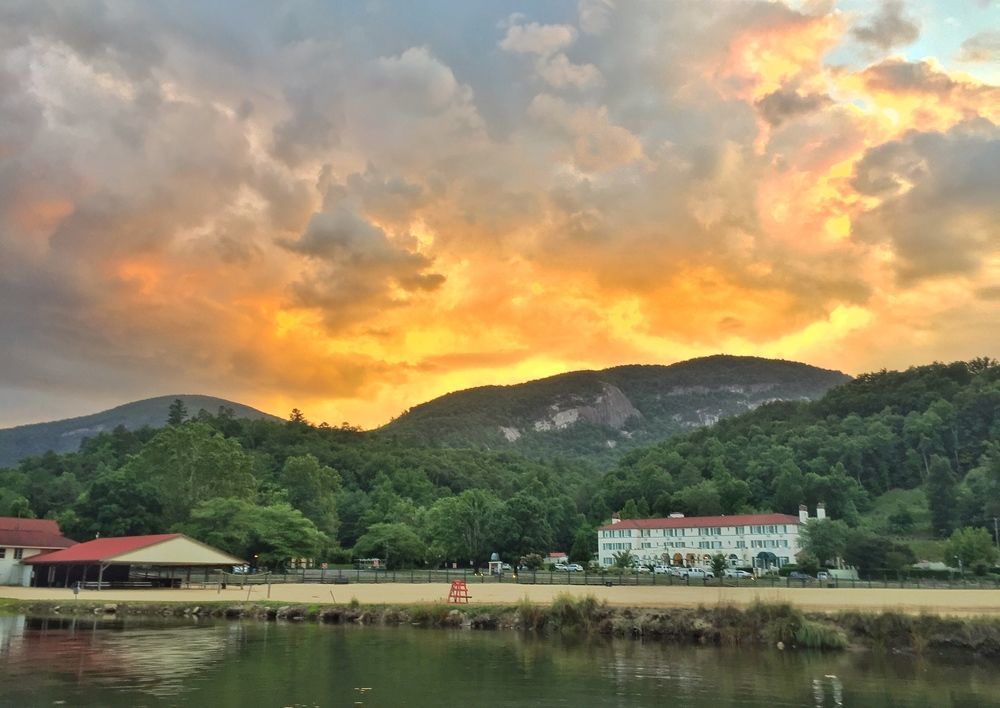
(12, 571)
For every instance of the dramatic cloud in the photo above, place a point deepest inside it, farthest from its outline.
(353, 208)
(888, 28)
(981, 47)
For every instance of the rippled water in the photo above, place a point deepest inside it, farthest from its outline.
(103, 662)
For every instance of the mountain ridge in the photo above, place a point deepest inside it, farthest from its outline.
(66, 434)
(621, 407)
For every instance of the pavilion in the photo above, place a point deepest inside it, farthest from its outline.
(161, 560)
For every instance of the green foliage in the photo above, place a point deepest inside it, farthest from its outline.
(177, 413)
(397, 543)
(825, 540)
(584, 547)
(115, 504)
(624, 560)
(190, 463)
(870, 553)
(533, 561)
(942, 495)
(817, 635)
(267, 536)
(719, 564)
(973, 547)
(312, 489)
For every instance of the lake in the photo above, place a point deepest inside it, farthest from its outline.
(139, 662)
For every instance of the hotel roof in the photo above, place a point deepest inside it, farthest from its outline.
(687, 522)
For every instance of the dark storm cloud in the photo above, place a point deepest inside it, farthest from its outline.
(779, 106)
(888, 28)
(939, 210)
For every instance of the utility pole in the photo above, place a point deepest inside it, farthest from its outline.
(996, 535)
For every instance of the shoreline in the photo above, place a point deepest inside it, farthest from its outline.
(943, 602)
(760, 623)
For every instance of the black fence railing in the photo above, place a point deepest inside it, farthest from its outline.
(610, 579)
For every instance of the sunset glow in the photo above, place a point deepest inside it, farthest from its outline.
(351, 208)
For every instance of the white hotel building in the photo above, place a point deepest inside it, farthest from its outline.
(749, 540)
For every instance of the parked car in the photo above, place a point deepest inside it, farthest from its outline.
(574, 567)
(822, 575)
(737, 573)
(799, 575)
(697, 573)
(505, 566)
(562, 566)
(661, 569)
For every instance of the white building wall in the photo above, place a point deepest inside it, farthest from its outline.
(661, 545)
(12, 571)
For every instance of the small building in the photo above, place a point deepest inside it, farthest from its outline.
(556, 557)
(21, 539)
(129, 561)
(760, 541)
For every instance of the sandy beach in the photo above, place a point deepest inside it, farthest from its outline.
(946, 602)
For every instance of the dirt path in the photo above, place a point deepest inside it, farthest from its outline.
(950, 602)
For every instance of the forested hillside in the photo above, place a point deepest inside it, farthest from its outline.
(66, 435)
(934, 428)
(598, 415)
(911, 453)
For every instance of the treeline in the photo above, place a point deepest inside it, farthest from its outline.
(275, 491)
(933, 427)
(272, 491)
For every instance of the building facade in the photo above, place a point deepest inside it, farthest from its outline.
(747, 541)
(21, 539)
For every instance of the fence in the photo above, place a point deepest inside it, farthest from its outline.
(529, 577)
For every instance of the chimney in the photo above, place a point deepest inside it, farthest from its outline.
(803, 514)
(615, 518)
(821, 511)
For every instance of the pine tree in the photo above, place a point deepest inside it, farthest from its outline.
(177, 412)
(941, 495)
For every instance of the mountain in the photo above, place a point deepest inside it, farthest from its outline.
(600, 414)
(66, 435)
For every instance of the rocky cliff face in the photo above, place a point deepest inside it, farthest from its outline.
(601, 414)
(610, 409)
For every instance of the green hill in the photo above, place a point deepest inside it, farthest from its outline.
(601, 414)
(66, 435)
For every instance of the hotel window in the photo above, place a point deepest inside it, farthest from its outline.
(3, 552)
(18, 553)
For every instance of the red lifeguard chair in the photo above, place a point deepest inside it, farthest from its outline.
(459, 592)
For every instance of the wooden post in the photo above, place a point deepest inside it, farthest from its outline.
(100, 574)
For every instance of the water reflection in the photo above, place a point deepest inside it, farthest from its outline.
(159, 659)
(108, 662)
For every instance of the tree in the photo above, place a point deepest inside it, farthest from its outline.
(397, 543)
(942, 496)
(533, 561)
(719, 564)
(466, 526)
(312, 489)
(624, 560)
(267, 536)
(187, 464)
(116, 504)
(630, 510)
(584, 546)
(296, 417)
(973, 547)
(869, 553)
(177, 413)
(825, 539)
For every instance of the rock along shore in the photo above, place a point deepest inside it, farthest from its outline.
(779, 625)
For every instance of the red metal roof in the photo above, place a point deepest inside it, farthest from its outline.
(100, 549)
(13, 522)
(31, 533)
(687, 522)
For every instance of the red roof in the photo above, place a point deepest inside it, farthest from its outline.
(31, 533)
(687, 522)
(101, 549)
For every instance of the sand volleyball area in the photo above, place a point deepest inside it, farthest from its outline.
(958, 602)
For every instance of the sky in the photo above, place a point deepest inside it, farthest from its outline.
(352, 208)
